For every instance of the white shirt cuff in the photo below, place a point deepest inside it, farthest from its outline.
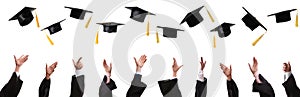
(18, 74)
(287, 75)
(78, 73)
(201, 76)
(138, 73)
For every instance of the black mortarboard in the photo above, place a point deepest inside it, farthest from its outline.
(283, 16)
(251, 22)
(169, 32)
(24, 16)
(78, 13)
(138, 14)
(110, 26)
(223, 29)
(193, 18)
(54, 27)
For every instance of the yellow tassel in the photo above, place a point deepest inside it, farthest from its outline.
(157, 37)
(148, 29)
(96, 40)
(296, 19)
(37, 20)
(49, 39)
(88, 22)
(255, 42)
(215, 44)
(210, 16)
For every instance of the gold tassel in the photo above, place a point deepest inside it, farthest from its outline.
(254, 43)
(49, 39)
(88, 22)
(215, 44)
(148, 29)
(96, 40)
(296, 19)
(37, 20)
(210, 16)
(157, 37)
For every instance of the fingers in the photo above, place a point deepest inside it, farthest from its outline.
(110, 65)
(104, 63)
(174, 60)
(230, 68)
(250, 66)
(201, 59)
(135, 60)
(79, 60)
(223, 67)
(54, 65)
(180, 67)
(254, 62)
(21, 56)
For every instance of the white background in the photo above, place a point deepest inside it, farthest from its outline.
(277, 46)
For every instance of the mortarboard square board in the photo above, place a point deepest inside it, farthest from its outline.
(110, 27)
(78, 13)
(138, 14)
(223, 29)
(24, 16)
(283, 16)
(193, 18)
(54, 28)
(251, 22)
(169, 32)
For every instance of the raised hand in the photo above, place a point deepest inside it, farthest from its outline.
(227, 71)
(107, 68)
(254, 67)
(50, 70)
(19, 62)
(175, 67)
(287, 67)
(254, 70)
(202, 63)
(78, 65)
(140, 63)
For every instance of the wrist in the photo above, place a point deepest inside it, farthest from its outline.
(17, 69)
(229, 78)
(138, 69)
(47, 76)
(174, 74)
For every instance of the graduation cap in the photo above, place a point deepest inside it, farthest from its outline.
(169, 32)
(283, 16)
(138, 14)
(223, 29)
(54, 27)
(251, 22)
(193, 18)
(24, 16)
(78, 13)
(110, 27)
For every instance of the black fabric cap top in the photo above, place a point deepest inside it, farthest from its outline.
(138, 14)
(223, 29)
(24, 16)
(193, 18)
(54, 28)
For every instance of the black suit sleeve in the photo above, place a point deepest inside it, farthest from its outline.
(169, 88)
(105, 89)
(44, 88)
(201, 89)
(13, 87)
(232, 89)
(137, 87)
(265, 89)
(291, 87)
(77, 86)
